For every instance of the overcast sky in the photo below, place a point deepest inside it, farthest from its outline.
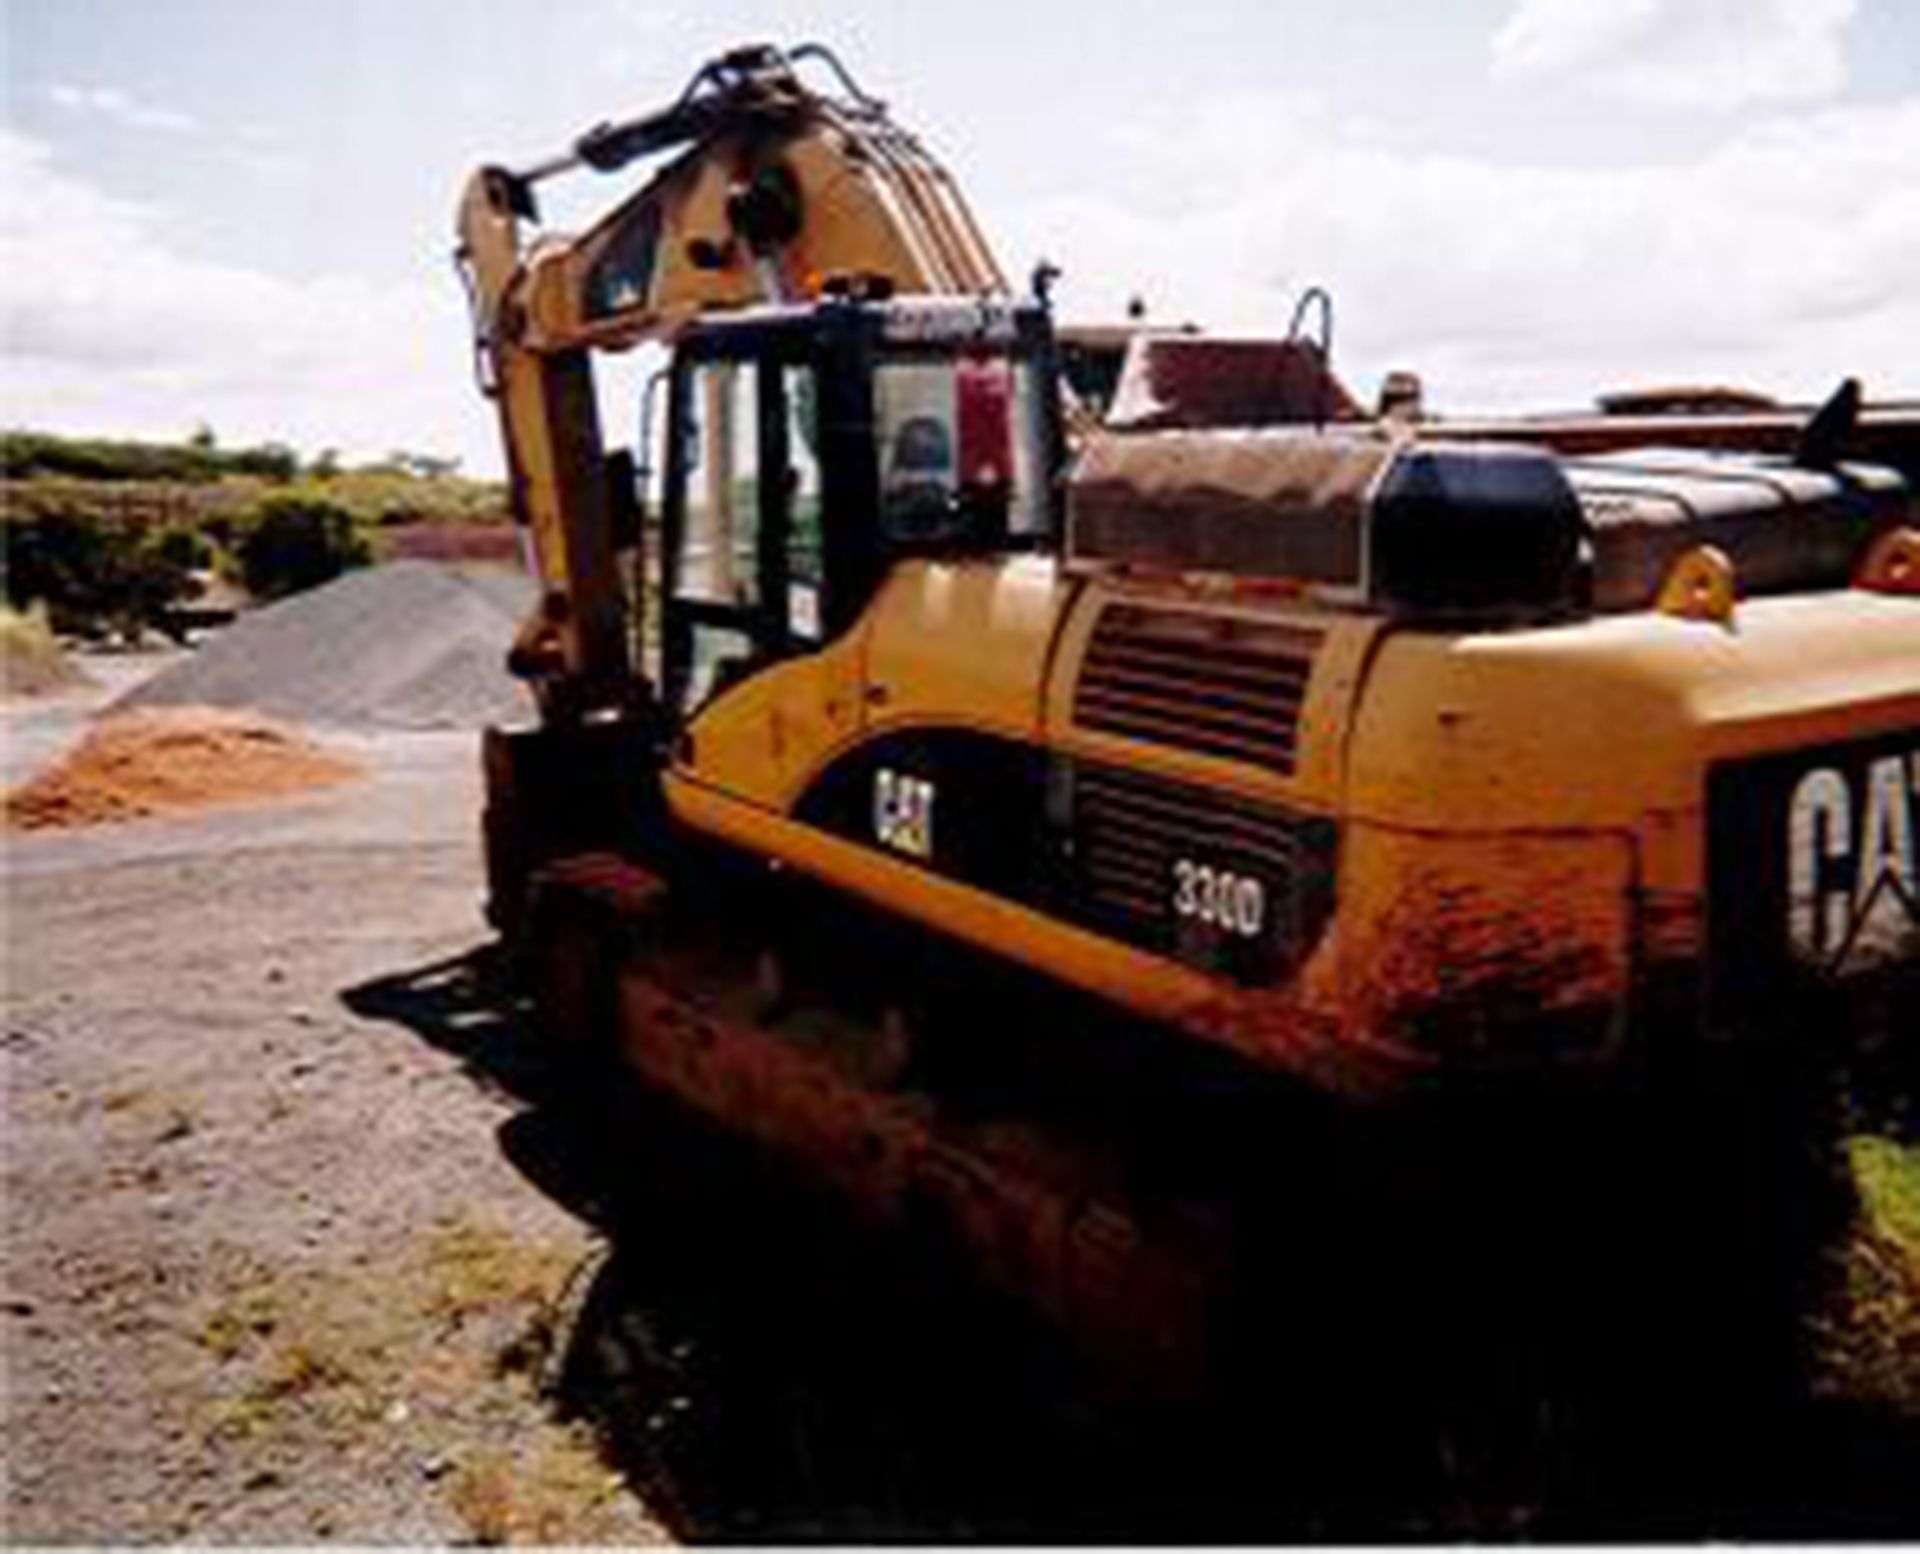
(240, 213)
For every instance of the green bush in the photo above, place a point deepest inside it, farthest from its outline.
(185, 548)
(93, 575)
(293, 542)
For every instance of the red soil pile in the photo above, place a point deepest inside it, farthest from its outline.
(167, 759)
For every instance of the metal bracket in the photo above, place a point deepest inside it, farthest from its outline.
(1892, 563)
(1700, 587)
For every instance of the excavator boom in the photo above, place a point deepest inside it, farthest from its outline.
(777, 193)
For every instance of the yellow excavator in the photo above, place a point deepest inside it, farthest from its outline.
(1093, 840)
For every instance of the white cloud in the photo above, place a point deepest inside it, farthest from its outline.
(1553, 35)
(107, 325)
(1686, 53)
(1783, 258)
(109, 102)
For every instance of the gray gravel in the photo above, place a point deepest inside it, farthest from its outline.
(408, 645)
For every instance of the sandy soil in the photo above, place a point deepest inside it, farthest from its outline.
(268, 1273)
(34, 730)
(303, 1241)
(147, 762)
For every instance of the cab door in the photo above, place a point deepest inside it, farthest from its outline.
(762, 697)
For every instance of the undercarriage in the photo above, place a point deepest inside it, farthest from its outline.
(1552, 1288)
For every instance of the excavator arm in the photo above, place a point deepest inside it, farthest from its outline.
(777, 190)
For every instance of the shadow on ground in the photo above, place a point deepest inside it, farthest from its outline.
(761, 1369)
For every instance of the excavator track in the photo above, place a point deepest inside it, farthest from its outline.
(1038, 1209)
(1489, 1282)
(1193, 1234)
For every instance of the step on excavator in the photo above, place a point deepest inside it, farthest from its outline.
(1167, 854)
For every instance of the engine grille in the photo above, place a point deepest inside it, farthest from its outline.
(1131, 835)
(1212, 684)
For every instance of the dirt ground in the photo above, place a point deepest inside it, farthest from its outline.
(303, 1242)
(269, 1275)
(299, 1245)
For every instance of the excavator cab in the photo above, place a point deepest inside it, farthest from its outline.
(811, 447)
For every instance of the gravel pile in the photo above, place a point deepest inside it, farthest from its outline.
(406, 645)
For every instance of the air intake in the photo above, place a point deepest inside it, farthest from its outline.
(1215, 685)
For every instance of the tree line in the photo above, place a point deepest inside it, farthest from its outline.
(115, 535)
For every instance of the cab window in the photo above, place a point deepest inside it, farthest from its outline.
(745, 525)
(801, 401)
(959, 451)
(722, 486)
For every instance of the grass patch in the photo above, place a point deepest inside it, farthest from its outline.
(293, 1357)
(303, 1353)
(433, 1347)
(239, 1321)
(449, 1326)
(32, 662)
(555, 1493)
(481, 1494)
(1869, 1341)
(474, 1268)
(1888, 1176)
(306, 1364)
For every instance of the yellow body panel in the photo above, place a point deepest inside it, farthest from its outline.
(892, 217)
(1315, 781)
(1595, 724)
(1521, 812)
(1271, 1028)
(1520, 805)
(965, 643)
(1085, 960)
(949, 643)
(764, 738)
